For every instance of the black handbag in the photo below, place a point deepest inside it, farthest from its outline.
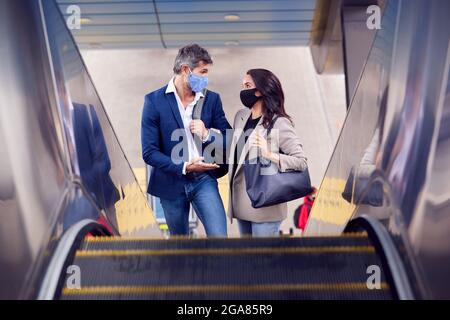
(364, 189)
(266, 186)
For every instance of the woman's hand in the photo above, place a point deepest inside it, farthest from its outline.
(257, 140)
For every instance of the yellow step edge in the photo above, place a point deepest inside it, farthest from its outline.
(177, 238)
(350, 286)
(225, 251)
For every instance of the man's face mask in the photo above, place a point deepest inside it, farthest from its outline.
(196, 82)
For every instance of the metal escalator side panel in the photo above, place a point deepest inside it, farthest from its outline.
(357, 141)
(33, 166)
(398, 140)
(96, 156)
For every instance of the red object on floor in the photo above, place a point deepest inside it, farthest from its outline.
(104, 223)
(305, 208)
(101, 220)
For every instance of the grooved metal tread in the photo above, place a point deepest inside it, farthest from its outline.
(251, 268)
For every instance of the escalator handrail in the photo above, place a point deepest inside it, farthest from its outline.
(394, 262)
(65, 247)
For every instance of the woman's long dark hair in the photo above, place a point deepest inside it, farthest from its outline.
(272, 95)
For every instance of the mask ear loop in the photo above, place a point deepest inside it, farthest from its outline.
(189, 68)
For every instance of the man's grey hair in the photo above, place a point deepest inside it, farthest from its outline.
(191, 55)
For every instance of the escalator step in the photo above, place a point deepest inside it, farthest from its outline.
(108, 243)
(220, 268)
(222, 292)
(217, 269)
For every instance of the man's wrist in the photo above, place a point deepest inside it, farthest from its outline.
(205, 136)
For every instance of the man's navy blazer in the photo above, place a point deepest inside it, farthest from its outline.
(160, 118)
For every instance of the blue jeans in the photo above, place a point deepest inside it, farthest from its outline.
(259, 229)
(204, 195)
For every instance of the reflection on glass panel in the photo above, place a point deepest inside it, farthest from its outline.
(419, 76)
(429, 231)
(97, 157)
(391, 160)
(32, 168)
(355, 156)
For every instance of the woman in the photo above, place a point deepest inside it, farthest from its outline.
(263, 97)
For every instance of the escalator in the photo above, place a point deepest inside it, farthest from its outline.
(360, 262)
(247, 268)
(54, 190)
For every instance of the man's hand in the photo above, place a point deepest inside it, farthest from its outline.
(197, 127)
(197, 165)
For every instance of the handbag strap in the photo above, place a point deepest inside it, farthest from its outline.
(196, 115)
(269, 129)
(197, 112)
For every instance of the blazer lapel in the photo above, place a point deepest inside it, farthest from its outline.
(174, 106)
(237, 130)
(246, 149)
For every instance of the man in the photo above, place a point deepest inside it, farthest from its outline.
(183, 178)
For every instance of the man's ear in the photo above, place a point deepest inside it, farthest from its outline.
(185, 69)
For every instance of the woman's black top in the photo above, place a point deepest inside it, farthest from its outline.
(249, 125)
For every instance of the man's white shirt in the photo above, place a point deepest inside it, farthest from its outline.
(186, 117)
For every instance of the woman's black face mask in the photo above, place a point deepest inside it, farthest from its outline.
(248, 97)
